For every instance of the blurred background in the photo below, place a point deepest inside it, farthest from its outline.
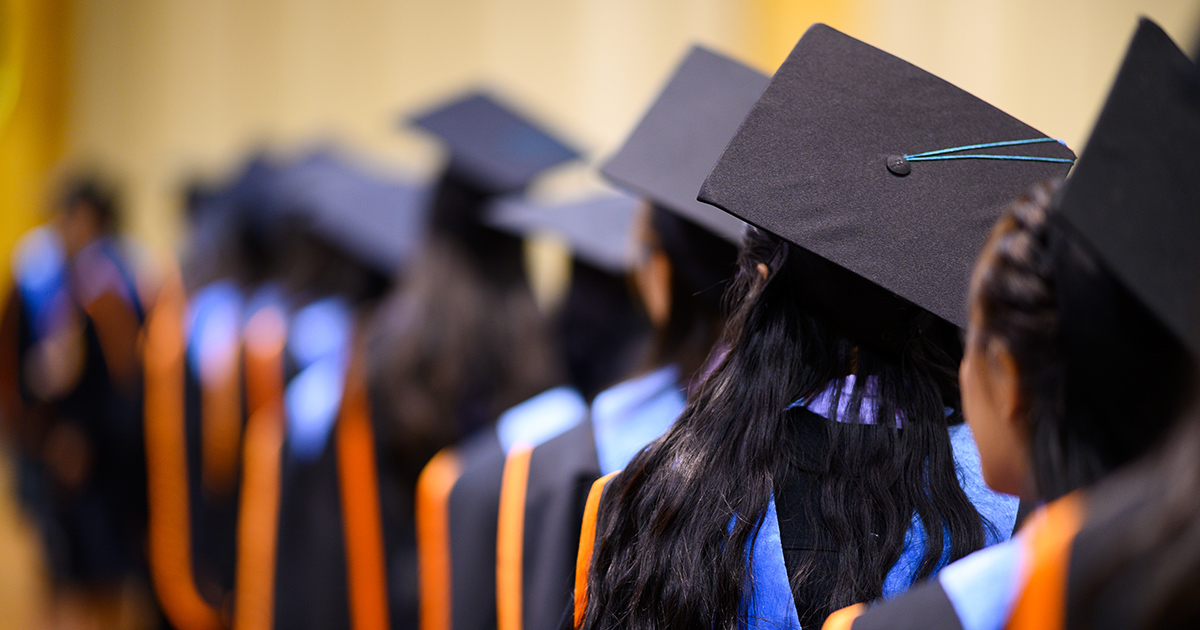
(161, 91)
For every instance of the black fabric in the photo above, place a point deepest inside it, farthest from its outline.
(474, 517)
(672, 149)
(491, 144)
(213, 516)
(809, 164)
(807, 543)
(1141, 161)
(924, 607)
(375, 219)
(1105, 588)
(561, 473)
(310, 577)
(599, 230)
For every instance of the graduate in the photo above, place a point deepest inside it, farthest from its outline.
(1080, 354)
(600, 333)
(461, 339)
(196, 405)
(72, 399)
(351, 229)
(824, 460)
(265, 495)
(686, 258)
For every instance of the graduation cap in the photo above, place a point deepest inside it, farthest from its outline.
(880, 168)
(599, 230)
(1134, 196)
(374, 219)
(492, 145)
(674, 146)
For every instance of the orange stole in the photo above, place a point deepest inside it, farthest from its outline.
(433, 538)
(258, 515)
(362, 518)
(510, 539)
(1042, 604)
(169, 527)
(587, 540)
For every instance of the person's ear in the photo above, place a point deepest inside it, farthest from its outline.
(1005, 383)
(653, 279)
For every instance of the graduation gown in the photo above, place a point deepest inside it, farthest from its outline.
(546, 488)
(1057, 572)
(469, 503)
(93, 528)
(331, 567)
(793, 533)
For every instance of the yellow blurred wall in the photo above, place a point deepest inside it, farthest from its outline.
(160, 88)
(33, 98)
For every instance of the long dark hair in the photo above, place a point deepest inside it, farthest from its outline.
(460, 339)
(667, 555)
(702, 265)
(602, 330)
(1101, 378)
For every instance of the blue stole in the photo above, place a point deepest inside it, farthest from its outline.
(319, 341)
(40, 271)
(540, 418)
(769, 604)
(628, 416)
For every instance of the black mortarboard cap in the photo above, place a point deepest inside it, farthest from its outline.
(1134, 196)
(374, 219)
(843, 156)
(674, 146)
(599, 230)
(492, 145)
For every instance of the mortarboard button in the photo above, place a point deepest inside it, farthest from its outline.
(898, 165)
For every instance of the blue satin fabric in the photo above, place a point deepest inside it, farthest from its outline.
(983, 587)
(540, 418)
(319, 341)
(770, 603)
(628, 416)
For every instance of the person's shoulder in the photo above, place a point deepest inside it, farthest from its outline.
(977, 592)
(925, 607)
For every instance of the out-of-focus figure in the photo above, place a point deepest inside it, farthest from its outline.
(351, 230)
(266, 505)
(602, 335)
(197, 398)
(72, 406)
(462, 338)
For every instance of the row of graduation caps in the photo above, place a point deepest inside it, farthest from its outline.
(848, 152)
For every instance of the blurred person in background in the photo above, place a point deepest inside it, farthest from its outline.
(72, 406)
(341, 521)
(685, 255)
(460, 339)
(601, 334)
(266, 509)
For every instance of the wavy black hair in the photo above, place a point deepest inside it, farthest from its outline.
(1101, 377)
(666, 553)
